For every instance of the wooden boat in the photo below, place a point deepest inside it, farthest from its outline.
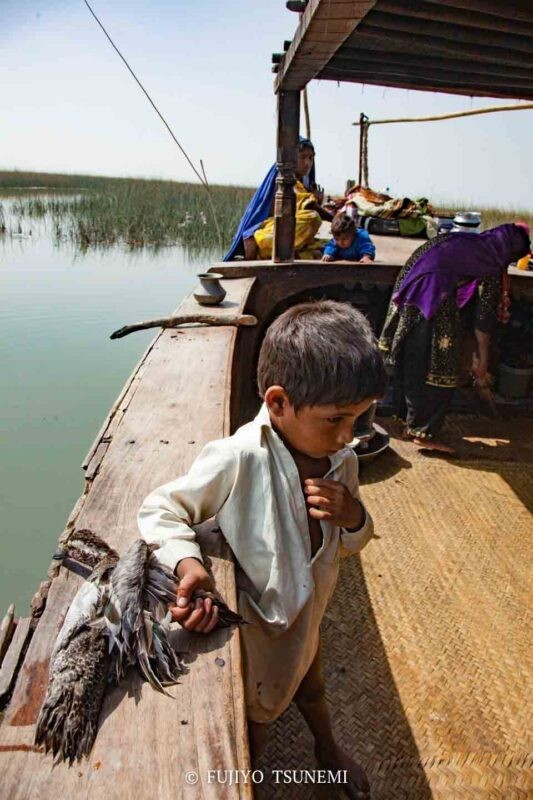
(424, 665)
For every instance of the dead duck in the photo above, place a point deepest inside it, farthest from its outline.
(118, 618)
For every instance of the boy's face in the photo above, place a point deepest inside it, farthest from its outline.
(344, 240)
(316, 431)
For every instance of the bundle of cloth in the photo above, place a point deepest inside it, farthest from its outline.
(413, 216)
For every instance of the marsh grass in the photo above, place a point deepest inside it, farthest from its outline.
(90, 210)
(94, 211)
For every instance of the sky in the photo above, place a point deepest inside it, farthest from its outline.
(71, 106)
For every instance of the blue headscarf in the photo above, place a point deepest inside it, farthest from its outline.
(258, 209)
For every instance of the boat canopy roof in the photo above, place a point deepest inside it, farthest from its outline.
(469, 47)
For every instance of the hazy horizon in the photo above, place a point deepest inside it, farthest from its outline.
(75, 109)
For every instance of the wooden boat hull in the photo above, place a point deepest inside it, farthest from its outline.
(193, 385)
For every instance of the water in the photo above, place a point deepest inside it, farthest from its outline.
(59, 374)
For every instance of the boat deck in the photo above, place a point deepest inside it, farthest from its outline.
(427, 660)
(427, 663)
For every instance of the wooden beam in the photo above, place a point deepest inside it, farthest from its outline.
(390, 41)
(519, 10)
(423, 85)
(460, 65)
(324, 26)
(453, 33)
(409, 68)
(286, 157)
(468, 17)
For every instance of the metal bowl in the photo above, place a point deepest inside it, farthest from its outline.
(369, 448)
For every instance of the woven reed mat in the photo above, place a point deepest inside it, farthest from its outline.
(426, 652)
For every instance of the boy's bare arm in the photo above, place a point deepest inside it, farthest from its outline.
(333, 501)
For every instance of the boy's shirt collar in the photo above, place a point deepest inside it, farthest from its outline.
(263, 421)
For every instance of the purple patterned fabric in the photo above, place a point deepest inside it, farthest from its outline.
(460, 256)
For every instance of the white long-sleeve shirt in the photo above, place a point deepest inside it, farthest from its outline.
(250, 482)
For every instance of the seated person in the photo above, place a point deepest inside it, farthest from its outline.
(255, 234)
(349, 242)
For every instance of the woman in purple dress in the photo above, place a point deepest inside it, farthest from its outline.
(449, 282)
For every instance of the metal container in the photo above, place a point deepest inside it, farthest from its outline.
(210, 292)
(466, 222)
(514, 382)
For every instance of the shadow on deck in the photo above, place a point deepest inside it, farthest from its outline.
(426, 657)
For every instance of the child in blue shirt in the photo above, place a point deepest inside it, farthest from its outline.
(349, 242)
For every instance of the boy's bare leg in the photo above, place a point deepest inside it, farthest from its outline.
(311, 701)
(257, 737)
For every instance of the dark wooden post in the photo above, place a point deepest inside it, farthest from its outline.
(363, 150)
(286, 158)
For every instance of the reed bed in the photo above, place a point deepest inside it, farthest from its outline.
(91, 210)
(137, 213)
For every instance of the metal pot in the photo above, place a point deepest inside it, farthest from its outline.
(466, 221)
(210, 292)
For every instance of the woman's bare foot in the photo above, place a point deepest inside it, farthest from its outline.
(433, 444)
(357, 786)
(251, 249)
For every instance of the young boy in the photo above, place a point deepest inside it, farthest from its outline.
(285, 491)
(349, 242)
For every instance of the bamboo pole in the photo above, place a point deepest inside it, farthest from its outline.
(455, 115)
(307, 115)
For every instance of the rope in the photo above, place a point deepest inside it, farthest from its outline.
(472, 112)
(202, 179)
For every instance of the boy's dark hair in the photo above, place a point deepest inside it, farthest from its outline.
(321, 352)
(342, 223)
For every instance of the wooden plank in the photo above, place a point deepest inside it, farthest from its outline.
(386, 42)
(430, 86)
(390, 250)
(158, 436)
(469, 17)
(519, 10)
(125, 389)
(100, 445)
(458, 65)
(443, 30)
(359, 70)
(6, 630)
(318, 24)
(11, 660)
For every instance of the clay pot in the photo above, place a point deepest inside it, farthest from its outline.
(210, 292)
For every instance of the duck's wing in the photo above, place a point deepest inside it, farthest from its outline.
(85, 607)
(68, 719)
(156, 659)
(138, 599)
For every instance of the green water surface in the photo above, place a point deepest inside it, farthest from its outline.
(59, 374)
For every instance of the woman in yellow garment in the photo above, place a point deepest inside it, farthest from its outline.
(255, 234)
(309, 214)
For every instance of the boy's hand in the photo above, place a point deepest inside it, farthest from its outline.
(200, 615)
(331, 500)
(365, 260)
(327, 257)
